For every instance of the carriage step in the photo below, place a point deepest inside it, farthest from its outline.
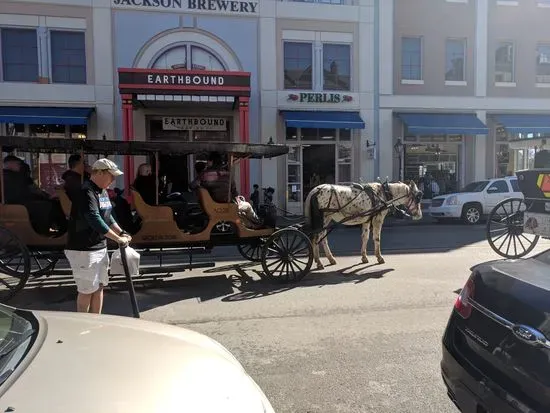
(151, 269)
(169, 268)
(173, 251)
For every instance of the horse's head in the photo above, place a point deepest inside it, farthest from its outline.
(410, 197)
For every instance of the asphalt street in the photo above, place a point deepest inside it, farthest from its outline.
(351, 338)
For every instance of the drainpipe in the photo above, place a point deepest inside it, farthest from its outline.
(376, 89)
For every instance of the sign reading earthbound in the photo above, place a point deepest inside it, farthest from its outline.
(171, 78)
(189, 123)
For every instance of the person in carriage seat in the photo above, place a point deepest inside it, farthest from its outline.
(145, 185)
(45, 212)
(216, 180)
(73, 176)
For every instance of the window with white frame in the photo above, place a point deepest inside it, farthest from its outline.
(336, 67)
(504, 62)
(19, 55)
(455, 60)
(68, 57)
(543, 63)
(298, 65)
(331, 63)
(411, 58)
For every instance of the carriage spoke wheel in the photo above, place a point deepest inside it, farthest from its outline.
(253, 251)
(505, 229)
(14, 265)
(287, 255)
(41, 264)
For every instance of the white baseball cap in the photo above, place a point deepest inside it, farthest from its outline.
(105, 164)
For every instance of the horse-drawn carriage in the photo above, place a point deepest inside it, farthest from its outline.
(25, 252)
(286, 254)
(515, 225)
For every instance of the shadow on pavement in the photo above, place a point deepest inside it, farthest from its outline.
(245, 282)
(251, 288)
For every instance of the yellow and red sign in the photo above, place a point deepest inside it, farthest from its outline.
(543, 182)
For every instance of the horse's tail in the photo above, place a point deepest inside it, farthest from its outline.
(313, 216)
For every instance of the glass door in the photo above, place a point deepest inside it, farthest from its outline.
(294, 180)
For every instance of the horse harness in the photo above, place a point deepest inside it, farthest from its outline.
(379, 201)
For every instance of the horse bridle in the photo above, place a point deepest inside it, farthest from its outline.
(414, 197)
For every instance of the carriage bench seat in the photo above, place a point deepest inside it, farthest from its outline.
(151, 213)
(228, 212)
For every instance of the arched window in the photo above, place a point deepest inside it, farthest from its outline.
(190, 57)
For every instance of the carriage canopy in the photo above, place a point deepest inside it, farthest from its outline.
(117, 147)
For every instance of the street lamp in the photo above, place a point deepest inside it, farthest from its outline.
(398, 148)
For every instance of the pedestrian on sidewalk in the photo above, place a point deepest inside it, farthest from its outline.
(90, 224)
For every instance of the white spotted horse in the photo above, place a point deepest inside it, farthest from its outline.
(365, 204)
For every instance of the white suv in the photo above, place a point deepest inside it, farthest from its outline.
(475, 200)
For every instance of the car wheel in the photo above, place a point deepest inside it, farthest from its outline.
(471, 214)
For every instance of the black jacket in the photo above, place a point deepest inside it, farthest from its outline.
(91, 217)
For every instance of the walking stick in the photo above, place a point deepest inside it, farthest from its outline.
(129, 281)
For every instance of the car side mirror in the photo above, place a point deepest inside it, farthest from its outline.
(492, 189)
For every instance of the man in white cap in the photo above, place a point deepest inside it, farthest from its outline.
(90, 224)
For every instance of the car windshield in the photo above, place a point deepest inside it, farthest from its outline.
(17, 333)
(475, 186)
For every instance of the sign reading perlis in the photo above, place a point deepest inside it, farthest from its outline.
(212, 6)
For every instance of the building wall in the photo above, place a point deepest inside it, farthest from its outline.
(70, 15)
(434, 22)
(483, 23)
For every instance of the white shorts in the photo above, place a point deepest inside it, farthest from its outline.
(90, 269)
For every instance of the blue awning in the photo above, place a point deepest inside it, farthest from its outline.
(45, 116)
(525, 123)
(323, 119)
(443, 124)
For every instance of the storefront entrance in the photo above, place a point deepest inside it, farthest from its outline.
(313, 162)
(441, 162)
(182, 105)
(318, 166)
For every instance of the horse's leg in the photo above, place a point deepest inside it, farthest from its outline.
(324, 242)
(376, 233)
(315, 245)
(365, 232)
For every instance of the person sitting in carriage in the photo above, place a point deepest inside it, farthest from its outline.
(217, 181)
(44, 211)
(73, 177)
(145, 184)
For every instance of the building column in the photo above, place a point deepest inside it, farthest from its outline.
(480, 151)
(244, 129)
(387, 139)
(128, 135)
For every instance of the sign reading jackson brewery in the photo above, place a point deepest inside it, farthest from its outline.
(210, 6)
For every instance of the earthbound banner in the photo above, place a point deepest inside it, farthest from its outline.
(209, 6)
(187, 123)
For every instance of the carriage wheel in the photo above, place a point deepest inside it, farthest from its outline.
(14, 265)
(287, 255)
(42, 264)
(253, 251)
(505, 229)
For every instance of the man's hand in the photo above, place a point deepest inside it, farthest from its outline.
(123, 241)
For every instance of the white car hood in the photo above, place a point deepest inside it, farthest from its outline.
(462, 196)
(91, 364)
